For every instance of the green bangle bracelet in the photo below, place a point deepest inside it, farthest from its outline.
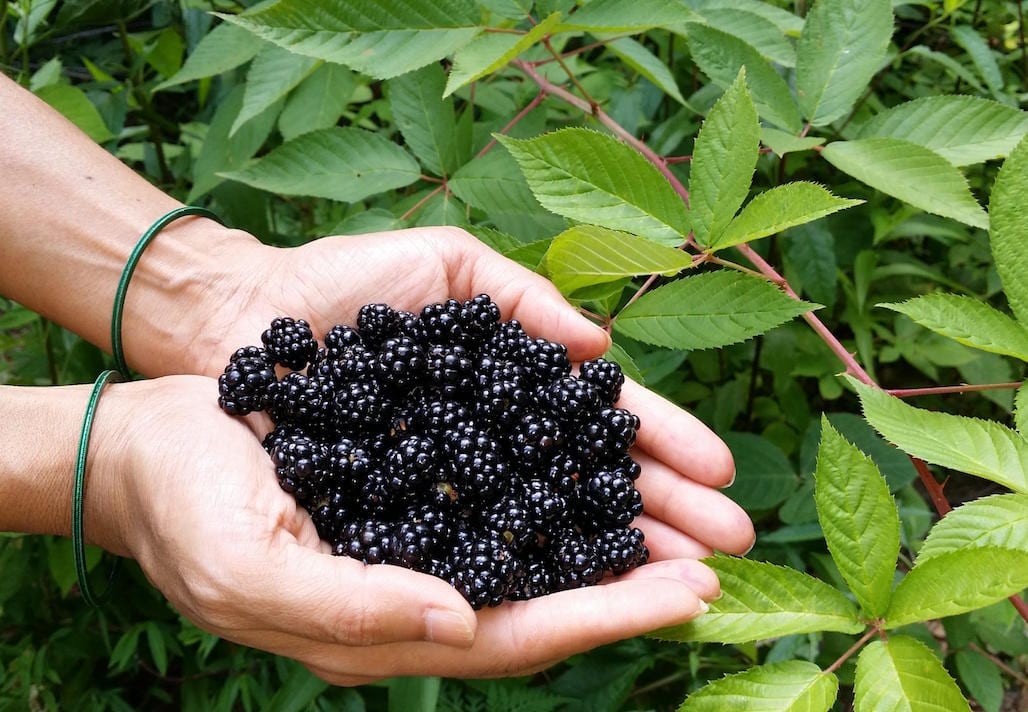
(130, 267)
(78, 542)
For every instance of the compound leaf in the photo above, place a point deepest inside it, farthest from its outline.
(911, 173)
(223, 48)
(842, 45)
(902, 675)
(724, 158)
(956, 582)
(1008, 229)
(1000, 520)
(637, 57)
(708, 311)
(859, 519)
(969, 321)
(780, 208)
(318, 102)
(587, 254)
(426, 120)
(588, 176)
(493, 50)
(346, 164)
(761, 600)
(978, 447)
(791, 686)
(273, 74)
(962, 129)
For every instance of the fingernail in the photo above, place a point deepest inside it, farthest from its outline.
(731, 481)
(703, 607)
(448, 628)
(751, 547)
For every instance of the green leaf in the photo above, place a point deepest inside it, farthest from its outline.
(1000, 520)
(859, 519)
(708, 311)
(273, 74)
(724, 157)
(414, 694)
(782, 143)
(954, 67)
(982, 57)
(1008, 229)
(318, 102)
(962, 129)
(764, 476)
(842, 45)
(426, 120)
(761, 600)
(981, 678)
(589, 176)
(158, 648)
(223, 48)
(397, 37)
(957, 582)
(492, 50)
(780, 208)
(968, 321)
(72, 103)
(791, 686)
(902, 674)
(1021, 410)
(638, 58)
(297, 691)
(752, 28)
(978, 447)
(911, 173)
(344, 164)
(618, 16)
(784, 20)
(620, 356)
(810, 254)
(587, 254)
(721, 56)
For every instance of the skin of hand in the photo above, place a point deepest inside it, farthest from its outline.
(189, 493)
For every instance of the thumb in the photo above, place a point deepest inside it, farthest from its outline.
(339, 600)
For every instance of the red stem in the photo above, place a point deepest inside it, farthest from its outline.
(853, 648)
(418, 205)
(514, 122)
(963, 388)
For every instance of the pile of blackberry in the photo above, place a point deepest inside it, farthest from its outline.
(450, 443)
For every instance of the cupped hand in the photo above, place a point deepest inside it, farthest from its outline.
(188, 492)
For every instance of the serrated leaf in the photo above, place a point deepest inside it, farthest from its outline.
(981, 55)
(618, 16)
(761, 600)
(273, 74)
(981, 678)
(780, 208)
(752, 28)
(764, 476)
(842, 45)
(1008, 229)
(587, 254)
(978, 447)
(962, 129)
(394, 39)
(859, 519)
(72, 103)
(426, 120)
(782, 143)
(724, 157)
(954, 67)
(638, 58)
(620, 356)
(902, 674)
(721, 56)
(344, 164)
(1021, 410)
(784, 20)
(588, 176)
(492, 50)
(957, 582)
(791, 686)
(810, 253)
(911, 173)
(223, 48)
(318, 102)
(968, 321)
(708, 311)
(1000, 520)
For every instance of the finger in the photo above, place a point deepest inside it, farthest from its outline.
(340, 679)
(692, 508)
(666, 542)
(670, 434)
(535, 302)
(336, 599)
(697, 575)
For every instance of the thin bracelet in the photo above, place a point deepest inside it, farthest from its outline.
(78, 543)
(130, 267)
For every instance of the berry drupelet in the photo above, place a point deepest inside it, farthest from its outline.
(452, 443)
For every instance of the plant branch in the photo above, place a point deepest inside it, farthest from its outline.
(853, 648)
(963, 388)
(514, 122)
(1000, 664)
(421, 203)
(571, 75)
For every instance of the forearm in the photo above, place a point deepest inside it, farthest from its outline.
(70, 214)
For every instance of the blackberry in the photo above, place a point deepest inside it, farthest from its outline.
(547, 360)
(301, 400)
(243, 387)
(612, 498)
(413, 462)
(569, 398)
(279, 436)
(441, 323)
(621, 549)
(510, 520)
(360, 406)
(535, 577)
(605, 376)
(414, 544)
(400, 364)
(563, 474)
(331, 513)
(608, 433)
(508, 340)
(477, 463)
(370, 541)
(436, 417)
(450, 370)
(290, 342)
(545, 506)
(535, 439)
(300, 464)
(376, 323)
(576, 560)
(339, 338)
(501, 392)
(478, 318)
(483, 571)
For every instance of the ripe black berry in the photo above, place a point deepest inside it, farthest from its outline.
(605, 376)
(243, 387)
(290, 342)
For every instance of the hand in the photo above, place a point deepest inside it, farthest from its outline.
(189, 492)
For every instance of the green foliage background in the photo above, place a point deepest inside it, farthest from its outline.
(220, 105)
